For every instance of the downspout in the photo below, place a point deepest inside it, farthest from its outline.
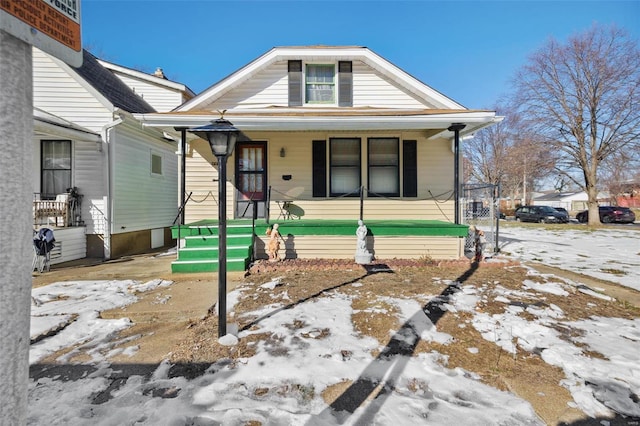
(456, 127)
(108, 199)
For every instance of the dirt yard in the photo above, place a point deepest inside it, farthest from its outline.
(182, 330)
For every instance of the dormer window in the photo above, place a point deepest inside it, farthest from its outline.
(320, 84)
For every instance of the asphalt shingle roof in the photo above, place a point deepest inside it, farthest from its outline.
(111, 87)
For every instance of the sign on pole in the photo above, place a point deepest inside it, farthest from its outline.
(50, 25)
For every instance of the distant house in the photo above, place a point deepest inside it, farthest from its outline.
(105, 184)
(324, 128)
(629, 193)
(572, 201)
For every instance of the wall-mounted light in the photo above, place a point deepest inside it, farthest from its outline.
(282, 152)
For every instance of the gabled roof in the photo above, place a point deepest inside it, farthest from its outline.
(317, 53)
(110, 86)
(436, 115)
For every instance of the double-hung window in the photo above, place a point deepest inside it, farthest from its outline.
(383, 161)
(344, 167)
(324, 84)
(56, 167)
(320, 86)
(387, 175)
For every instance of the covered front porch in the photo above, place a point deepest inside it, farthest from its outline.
(315, 239)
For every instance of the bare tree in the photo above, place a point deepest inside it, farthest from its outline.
(486, 152)
(582, 99)
(507, 155)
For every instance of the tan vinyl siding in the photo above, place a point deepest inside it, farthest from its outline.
(202, 181)
(373, 209)
(335, 247)
(435, 180)
(269, 87)
(374, 90)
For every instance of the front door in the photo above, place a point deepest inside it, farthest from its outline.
(251, 178)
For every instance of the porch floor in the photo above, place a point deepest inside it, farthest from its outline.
(434, 228)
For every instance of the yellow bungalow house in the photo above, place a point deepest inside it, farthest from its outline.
(330, 135)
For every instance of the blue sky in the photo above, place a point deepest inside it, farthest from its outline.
(467, 50)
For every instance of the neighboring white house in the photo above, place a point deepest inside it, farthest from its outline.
(86, 139)
(320, 124)
(571, 201)
(159, 92)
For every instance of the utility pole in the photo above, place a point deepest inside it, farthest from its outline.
(16, 235)
(22, 25)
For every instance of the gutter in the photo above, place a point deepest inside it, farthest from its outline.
(108, 199)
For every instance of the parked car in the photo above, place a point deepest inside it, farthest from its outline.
(563, 211)
(610, 214)
(541, 214)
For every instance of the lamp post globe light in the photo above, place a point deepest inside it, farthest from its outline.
(222, 136)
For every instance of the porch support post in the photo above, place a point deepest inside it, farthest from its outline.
(183, 172)
(456, 127)
(361, 202)
(16, 232)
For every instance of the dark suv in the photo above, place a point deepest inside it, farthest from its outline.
(541, 214)
(610, 214)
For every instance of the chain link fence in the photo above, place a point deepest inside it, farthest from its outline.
(481, 208)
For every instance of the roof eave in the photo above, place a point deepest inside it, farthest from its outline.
(473, 121)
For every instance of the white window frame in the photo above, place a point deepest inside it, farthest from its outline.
(333, 83)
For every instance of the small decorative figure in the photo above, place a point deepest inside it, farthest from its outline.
(363, 257)
(274, 243)
(478, 241)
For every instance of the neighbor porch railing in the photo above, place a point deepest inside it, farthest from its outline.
(63, 210)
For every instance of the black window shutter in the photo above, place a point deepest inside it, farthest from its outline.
(409, 169)
(345, 84)
(295, 83)
(319, 158)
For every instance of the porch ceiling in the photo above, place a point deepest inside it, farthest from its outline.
(332, 120)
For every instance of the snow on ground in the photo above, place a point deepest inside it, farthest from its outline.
(282, 383)
(609, 254)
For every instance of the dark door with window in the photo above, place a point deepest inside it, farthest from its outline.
(251, 178)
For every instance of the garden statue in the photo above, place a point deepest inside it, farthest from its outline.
(274, 243)
(478, 243)
(363, 257)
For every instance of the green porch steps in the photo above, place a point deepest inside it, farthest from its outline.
(200, 251)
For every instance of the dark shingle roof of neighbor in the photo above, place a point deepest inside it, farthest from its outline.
(110, 86)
